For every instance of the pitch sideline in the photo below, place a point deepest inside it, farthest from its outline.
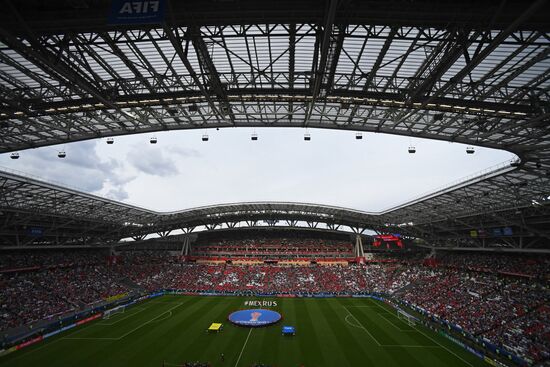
(433, 340)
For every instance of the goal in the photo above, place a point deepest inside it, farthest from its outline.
(409, 319)
(113, 311)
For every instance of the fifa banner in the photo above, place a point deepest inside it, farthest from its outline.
(5, 352)
(116, 297)
(137, 12)
(42, 337)
(503, 352)
(492, 232)
(29, 342)
(378, 298)
(88, 319)
(64, 328)
(467, 347)
(215, 294)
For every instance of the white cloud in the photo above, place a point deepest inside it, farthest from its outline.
(181, 171)
(82, 169)
(117, 194)
(152, 161)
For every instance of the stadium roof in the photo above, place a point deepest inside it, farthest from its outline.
(471, 72)
(36, 212)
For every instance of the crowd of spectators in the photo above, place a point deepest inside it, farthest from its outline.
(60, 286)
(526, 335)
(267, 279)
(14, 260)
(511, 264)
(509, 311)
(280, 248)
(506, 304)
(26, 299)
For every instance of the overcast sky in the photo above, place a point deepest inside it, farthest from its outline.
(181, 171)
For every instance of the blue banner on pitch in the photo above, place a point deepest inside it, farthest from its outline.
(254, 317)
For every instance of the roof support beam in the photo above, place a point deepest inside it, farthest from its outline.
(320, 62)
(118, 52)
(52, 64)
(176, 41)
(477, 59)
(334, 55)
(291, 64)
(439, 61)
(210, 73)
(375, 67)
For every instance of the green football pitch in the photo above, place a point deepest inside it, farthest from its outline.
(172, 329)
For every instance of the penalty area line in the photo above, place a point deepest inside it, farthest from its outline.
(349, 323)
(363, 327)
(244, 346)
(395, 326)
(122, 319)
(150, 321)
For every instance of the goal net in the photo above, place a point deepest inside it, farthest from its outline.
(409, 319)
(113, 311)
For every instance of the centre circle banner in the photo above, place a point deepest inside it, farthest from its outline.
(254, 317)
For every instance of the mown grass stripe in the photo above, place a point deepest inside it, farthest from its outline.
(323, 338)
(223, 342)
(313, 351)
(350, 344)
(160, 341)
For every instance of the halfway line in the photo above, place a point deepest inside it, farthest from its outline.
(242, 350)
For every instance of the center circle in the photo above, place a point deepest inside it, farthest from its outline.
(254, 317)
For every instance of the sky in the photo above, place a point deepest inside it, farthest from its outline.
(181, 171)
